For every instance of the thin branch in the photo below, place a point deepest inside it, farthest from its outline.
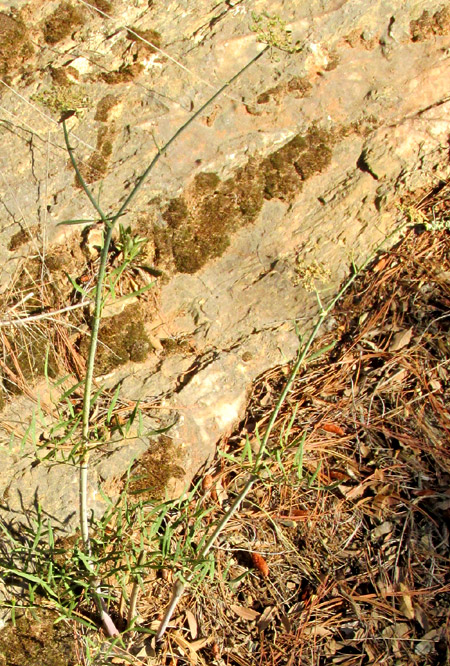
(79, 176)
(43, 315)
(163, 150)
(109, 222)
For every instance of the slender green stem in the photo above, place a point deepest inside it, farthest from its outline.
(179, 587)
(79, 176)
(179, 131)
(135, 591)
(109, 223)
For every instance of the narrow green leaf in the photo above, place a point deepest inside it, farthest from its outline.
(320, 352)
(72, 222)
(71, 390)
(51, 540)
(315, 475)
(33, 579)
(96, 395)
(76, 286)
(247, 453)
(138, 292)
(228, 456)
(113, 404)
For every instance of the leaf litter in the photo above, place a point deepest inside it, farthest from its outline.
(340, 554)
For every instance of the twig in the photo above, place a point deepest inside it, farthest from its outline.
(43, 315)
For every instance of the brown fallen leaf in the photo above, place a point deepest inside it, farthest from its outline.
(380, 264)
(401, 339)
(190, 649)
(192, 623)
(260, 563)
(200, 643)
(296, 514)
(219, 494)
(353, 492)
(207, 482)
(338, 475)
(266, 618)
(245, 613)
(381, 530)
(406, 604)
(286, 623)
(428, 642)
(317, 631)
(332, 427)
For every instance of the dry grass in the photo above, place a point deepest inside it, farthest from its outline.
(44, 320)
(354, 538)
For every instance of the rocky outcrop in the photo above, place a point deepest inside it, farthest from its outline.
(298, 169)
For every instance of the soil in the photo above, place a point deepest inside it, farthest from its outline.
(37, 641)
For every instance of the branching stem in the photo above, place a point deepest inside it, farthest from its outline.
(109, 222)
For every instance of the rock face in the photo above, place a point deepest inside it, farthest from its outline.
(296, 170)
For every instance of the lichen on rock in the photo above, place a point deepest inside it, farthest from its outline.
(63, 98)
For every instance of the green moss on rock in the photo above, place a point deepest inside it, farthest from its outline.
(124, 74)
(428, 25)
(38, 641)
(15, 46)
(103, 5)
(122, 338)
(152, 472)
(297, 86)
(206, 181)
(302, 157)
(105, 105)
(199, 224)
(96, 167)
(149, 35)
(21, 237)
(62, 22)
(317, 155)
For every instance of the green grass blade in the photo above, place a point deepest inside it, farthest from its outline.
(112, 404)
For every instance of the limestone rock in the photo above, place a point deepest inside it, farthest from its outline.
(299, 168)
